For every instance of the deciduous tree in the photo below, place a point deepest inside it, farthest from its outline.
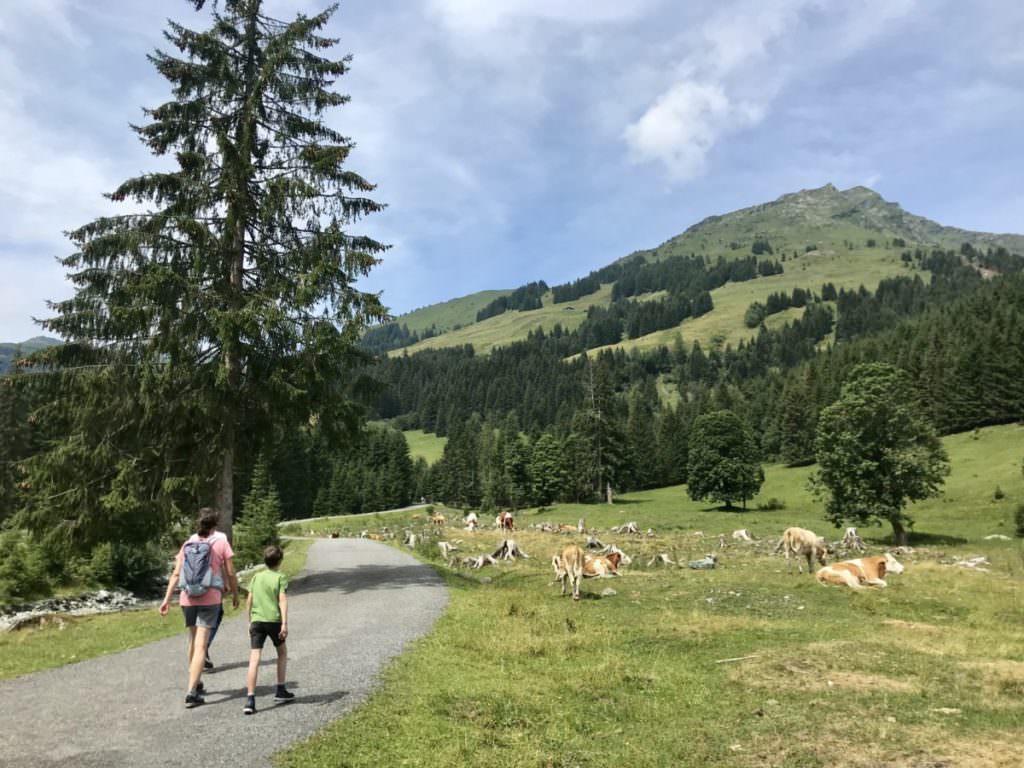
(876, 452)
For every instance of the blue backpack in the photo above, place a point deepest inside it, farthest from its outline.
(196, 571)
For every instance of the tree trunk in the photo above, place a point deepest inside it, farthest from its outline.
(225, 504)
(899, 533)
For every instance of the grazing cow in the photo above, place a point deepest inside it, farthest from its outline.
(471, 521)
(863, 570)
(505, 522)
(438, 519)
(799, 542)
(569, 568)
(742, 535)
(601, 565)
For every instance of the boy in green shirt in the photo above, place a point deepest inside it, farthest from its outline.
(267, 606)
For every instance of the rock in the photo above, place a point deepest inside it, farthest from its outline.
(45, 611)
(485, 579)
(608, 592)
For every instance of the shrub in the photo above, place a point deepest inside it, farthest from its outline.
(771, 505)
(998, 494)
(1018, 520)
(22, 568)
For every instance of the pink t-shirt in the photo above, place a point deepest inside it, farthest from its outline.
(220, 552)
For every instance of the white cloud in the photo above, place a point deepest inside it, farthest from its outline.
(485, 15)
(738, 61)
(684, 124)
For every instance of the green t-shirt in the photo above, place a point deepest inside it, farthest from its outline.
(265, 588)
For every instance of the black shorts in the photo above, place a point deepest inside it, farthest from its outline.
(259, 631)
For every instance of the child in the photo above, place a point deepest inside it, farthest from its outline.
(267, 606)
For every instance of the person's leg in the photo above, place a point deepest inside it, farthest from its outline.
(197, 652)
(282, 663)
(254, 669)
(207, 664)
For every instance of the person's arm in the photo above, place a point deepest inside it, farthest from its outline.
(248, 607)
(171, 586)
(231, 580)
(282, 602)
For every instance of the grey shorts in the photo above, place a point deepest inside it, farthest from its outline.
(201, 615)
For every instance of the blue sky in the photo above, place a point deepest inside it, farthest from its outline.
(516, 140)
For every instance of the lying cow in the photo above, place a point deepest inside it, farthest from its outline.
(864, 570)
(601, 565)
(799, 542)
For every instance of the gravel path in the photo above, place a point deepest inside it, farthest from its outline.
(355, 607)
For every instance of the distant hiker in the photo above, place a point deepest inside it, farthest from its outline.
(267, 606)
(202, 569)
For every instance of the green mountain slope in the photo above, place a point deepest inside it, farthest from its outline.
(847, 237)
(8, 351)
(825, 217)
(449, 314)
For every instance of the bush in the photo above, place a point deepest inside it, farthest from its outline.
(113, 564)
(1018, 520)
(771, 505)
(998, 494)
(22, 568)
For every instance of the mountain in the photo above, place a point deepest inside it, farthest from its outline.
(849, 238)
(826, 214)
(8, 352)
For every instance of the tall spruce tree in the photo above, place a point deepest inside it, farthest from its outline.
(233, 292)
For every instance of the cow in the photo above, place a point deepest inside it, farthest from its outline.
(505, 522)
(601, 565)
(742, 534)
(863, 570)
(799, 542)
(438, 519)
(471, 521)
(569, 568)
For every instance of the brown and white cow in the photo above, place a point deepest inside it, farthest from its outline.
(863, 570)
(800, 542)
(601, 565)
(505, 522)
(569, 568)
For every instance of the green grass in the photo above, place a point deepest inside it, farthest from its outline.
(425, 444)
(515, 325)
(68, 639)
(448, 314)
(724, 324)
(927, 672)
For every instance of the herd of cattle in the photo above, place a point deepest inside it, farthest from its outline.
(575, 563)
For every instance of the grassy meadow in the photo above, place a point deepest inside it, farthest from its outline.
(745, 665)
(448, 314)
(425, 445)
(724, 324)
(68, 639)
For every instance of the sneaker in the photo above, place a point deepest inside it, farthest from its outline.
(194, 700)
(250, 706)
(200, 688)
(283, 695)
(207, 664)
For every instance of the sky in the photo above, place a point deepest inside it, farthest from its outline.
(520, 140)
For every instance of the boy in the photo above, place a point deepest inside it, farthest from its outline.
(267, 606)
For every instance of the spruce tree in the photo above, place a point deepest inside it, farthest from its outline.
(232, 295)
(261, 512)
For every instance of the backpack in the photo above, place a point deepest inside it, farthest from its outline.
(196, 571)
